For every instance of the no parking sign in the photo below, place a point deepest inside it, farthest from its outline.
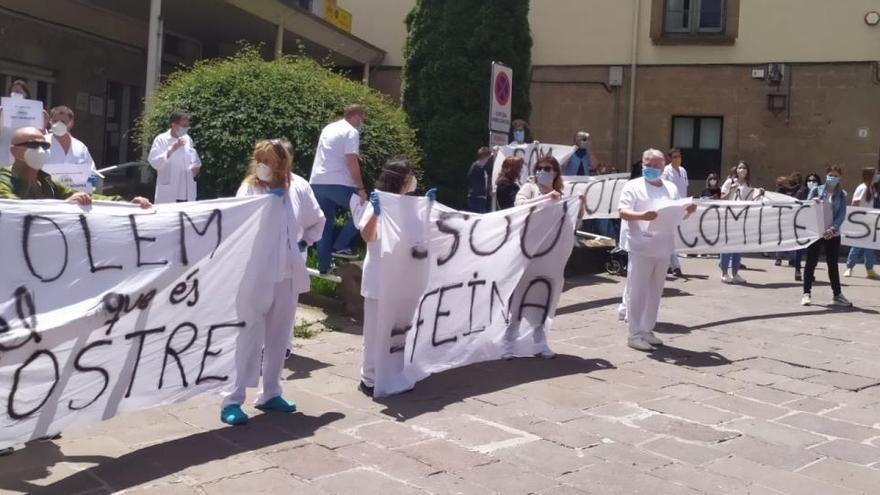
(500, 97)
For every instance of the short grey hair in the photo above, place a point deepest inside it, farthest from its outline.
(652, 153)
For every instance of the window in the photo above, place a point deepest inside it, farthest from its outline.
(699, 139)
(694, 21)
(40, 81)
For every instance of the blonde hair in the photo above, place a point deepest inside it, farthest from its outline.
(270, 151)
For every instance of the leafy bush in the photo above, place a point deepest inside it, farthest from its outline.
(449, 49)
(239, 100)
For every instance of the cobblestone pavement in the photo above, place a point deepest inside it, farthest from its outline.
(753, 394)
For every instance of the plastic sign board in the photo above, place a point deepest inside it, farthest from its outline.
(501, 96)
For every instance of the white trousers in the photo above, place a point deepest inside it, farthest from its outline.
(644, 288)
(371, 341)
(269, 343)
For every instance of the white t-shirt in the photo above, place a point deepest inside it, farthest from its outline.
(638, 195)
(744, 192)
(678, 177)
(527, 192)
(860, 197)
(77, 154)
(337, 140)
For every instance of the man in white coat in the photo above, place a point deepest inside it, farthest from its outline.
(67, 150)
(678, 175)
(649, 250)
(176, 162)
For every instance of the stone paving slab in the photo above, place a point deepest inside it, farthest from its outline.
(753, 394)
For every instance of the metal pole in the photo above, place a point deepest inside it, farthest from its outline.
(154, 48)
(279, 42)
(632, 83)
(366, 74)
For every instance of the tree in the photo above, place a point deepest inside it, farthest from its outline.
(242, 99)
(449, 49)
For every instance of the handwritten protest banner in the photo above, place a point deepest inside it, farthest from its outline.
(530, 153)
(861, 228)
(602, 192)
(114, 308)
(467, 288)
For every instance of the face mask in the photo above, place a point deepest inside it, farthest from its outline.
(544, 178)
(16, 95)
(811, 184)
(519, 136)
(411, 187)
(713, 183)
(182, 131)
(36, 158)
(264, 172)
(742, 173)
(582, 145)
(59, 129)
(651, 174)
(831, 181)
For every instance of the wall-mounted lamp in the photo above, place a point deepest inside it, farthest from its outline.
(776, 102)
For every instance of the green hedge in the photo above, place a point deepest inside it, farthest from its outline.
(239, 100)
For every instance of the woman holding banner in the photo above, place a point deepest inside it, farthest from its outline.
(738, 187)
(546, 183)
(863, 197)
(833, 200)
(507, 183)
(263, 350)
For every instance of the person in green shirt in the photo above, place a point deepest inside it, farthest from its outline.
(25, 179)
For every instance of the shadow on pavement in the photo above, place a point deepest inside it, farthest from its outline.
(675, 328)
(685, 357)
(440, 390)
(591, 279)
(598, 303)
(302, 366)
(156, 461)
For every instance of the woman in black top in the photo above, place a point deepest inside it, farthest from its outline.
(507, 184)
(713, 188)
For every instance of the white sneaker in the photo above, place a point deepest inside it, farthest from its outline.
(848, 273)
(738, 280)
(652, 339)
(639, 344)
(621, 314)
(727, 279)
(806, 300)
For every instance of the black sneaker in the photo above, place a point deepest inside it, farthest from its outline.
(677, 272)
(346, 254)
(368, 391)
(778, 262)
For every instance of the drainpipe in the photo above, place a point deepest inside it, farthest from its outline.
(154, 49)
(632, 83)
(366, 79)
(279, 42)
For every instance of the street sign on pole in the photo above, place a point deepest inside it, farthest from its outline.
(500, 97)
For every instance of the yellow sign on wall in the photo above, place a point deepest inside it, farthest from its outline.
(337, 16)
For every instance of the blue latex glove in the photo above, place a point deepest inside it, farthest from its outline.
(277, 191)
(302, 246)
(93, 180)
(374, 200)
(431, 194)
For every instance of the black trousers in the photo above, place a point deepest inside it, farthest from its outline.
(832, 252)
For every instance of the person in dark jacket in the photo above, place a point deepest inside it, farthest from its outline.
(507, 184)
(713, 188)
(478, 179)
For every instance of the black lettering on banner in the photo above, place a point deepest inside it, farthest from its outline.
(489, 252)
(851, 218)
(446, 228)
(684, 241)
(180, 294)
(590, 209)
(397, 332)
(116, 304)
(473, 284)
(760, 226)
(544, 307)
(552, 245)
(215, 215)
(175, 353)
(137, 244)
(438, 313)
(714, 209)
(16, 380)
(141, 335)
(209, 353)
(743, 212)
(534, 156)
(496, 294)
(798, 227)
(779, 209)
(611, 204)
(26, 236)
(876, 228)
(26, 311)
(91, 369)
(88, 236)
(420, 321)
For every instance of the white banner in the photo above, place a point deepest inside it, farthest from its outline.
(530, 153)
(467, 288)
(21, 112)
(73, 175)
(602, 192)
(114, 308)
(861, 228)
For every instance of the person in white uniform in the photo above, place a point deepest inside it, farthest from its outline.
(649, 251)
(176, 162)
(261, 351)
(66, 149)
(678, 175)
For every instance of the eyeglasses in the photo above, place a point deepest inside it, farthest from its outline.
(34, 145)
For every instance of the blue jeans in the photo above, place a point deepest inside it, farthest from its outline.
(856, 254)
(333, 200)
(477, 204)
(730, 259)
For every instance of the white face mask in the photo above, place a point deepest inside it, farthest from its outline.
(741, 173)
(16, 95)
(411, 188)
(264, 172)
(811, 184)
(36, 158)
(59, 129)
(544, 178)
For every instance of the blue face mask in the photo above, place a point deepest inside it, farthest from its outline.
(651, 174)
(831, 181)
(519, 136)
(182, 131)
